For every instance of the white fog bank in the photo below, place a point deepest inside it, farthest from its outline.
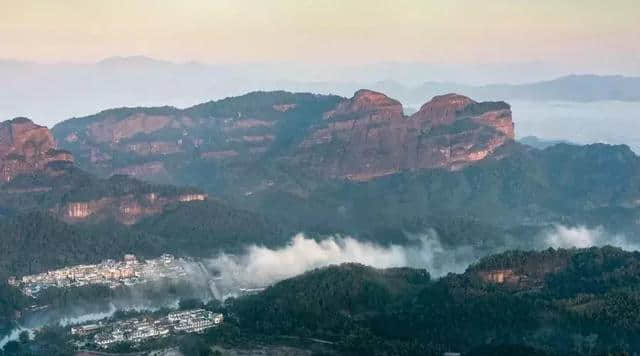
(260, 266)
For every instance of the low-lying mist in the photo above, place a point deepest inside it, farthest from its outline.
(560, 236)
(261, 266)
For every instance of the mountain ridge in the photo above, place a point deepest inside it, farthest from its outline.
(552, 300)
(250, 126)
(185, 84)
(328, 162)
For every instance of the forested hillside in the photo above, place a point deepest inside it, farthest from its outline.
(556, 301)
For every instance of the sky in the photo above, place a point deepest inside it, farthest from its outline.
(587, 35)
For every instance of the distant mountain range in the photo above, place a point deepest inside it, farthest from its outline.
(541, 144)
(49, 93)
(578, 88)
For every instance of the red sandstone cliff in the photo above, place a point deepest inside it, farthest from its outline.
(376, 106)
(127, 209)
(368, 136)
(26, 147)
(359, 138)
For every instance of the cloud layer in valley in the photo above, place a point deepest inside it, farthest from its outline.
(227, 275)
(560, 236)
(261, 266)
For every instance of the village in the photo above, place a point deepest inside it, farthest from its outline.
(111, 273)
(139, 329)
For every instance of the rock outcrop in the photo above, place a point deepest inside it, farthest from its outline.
(160, 144)
(359, 138)
(375, 106)
(368, 135)
(127, 209)
(114, 130)
(56, 185)
(500, 276)
(26, 147)
(155, 168)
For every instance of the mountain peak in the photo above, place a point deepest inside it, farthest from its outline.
(19, 120)
(26, 147)
(359, 138)
(369, 103)
(131, 61)
(452, 98)
(373, 97)
(442, 109)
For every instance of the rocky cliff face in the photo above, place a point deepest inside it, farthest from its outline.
(36, 175)
(139, 137)
(127, 209)
(359, 138)
(26, 147)
(368, 136)
(160, 144)
(521, 270)
(376, 106)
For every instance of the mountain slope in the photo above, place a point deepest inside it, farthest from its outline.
(36, 242)
(38, 176)
(56, 214)
(368, 136)
(159, 143)
(590, 185)
(558, 301)
(359, 165)
(25, 148)
(361, 137)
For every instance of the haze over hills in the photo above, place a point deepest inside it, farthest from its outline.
(578, 88)
(66, 90)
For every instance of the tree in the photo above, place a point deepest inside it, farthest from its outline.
(192, 345)
(24, 337)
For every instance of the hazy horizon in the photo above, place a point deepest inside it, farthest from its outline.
(594, 37)
(51, 93)
(73, 58)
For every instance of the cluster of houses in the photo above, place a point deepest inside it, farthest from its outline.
(112, 273)
(136, 330)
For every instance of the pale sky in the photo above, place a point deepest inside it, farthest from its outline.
(587, 33)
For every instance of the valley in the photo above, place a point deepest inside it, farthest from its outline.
(553, 301)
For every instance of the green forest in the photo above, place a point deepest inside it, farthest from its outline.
(565, 302)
